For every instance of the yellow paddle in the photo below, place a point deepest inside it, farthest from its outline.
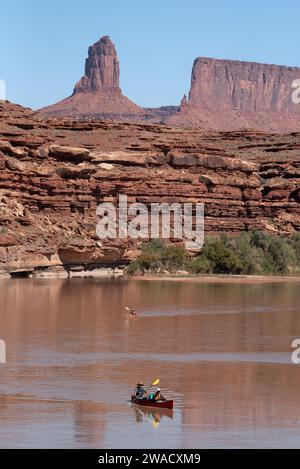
(153, 384)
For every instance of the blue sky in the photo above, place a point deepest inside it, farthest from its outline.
(43, 44)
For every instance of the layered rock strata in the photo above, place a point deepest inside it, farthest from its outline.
(55, 172)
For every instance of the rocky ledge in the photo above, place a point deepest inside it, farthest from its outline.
(54, 173)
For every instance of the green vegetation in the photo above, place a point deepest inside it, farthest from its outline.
(248, 253)
(156, 256)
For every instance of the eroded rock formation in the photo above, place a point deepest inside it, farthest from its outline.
(98, 92)
(231, 94)
(224, 95)
(102, 72)
(54, 173)
(243, 86)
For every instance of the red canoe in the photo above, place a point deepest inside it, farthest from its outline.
(147, 403)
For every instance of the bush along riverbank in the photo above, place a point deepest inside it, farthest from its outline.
(250, 253)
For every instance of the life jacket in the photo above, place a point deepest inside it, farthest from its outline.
(139, 392)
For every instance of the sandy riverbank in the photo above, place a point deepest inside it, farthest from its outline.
(220, 278)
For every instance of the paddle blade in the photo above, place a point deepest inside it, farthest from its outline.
(126, 307)
(155, 382)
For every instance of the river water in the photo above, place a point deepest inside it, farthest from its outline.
(222, 351)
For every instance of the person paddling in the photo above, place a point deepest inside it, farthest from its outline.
(132, 312)
(140, 391)
(157, 396)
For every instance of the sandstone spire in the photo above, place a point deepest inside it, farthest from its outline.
(98, 94)
(102, 71)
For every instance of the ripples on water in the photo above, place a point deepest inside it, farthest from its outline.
(222, 352)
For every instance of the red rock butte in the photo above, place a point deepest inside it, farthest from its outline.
(102, 71)
(224, 95)
(231, 94)
(98, 92)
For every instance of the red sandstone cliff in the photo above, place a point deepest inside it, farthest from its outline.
(230, 94)
(54, 173)
(243, 86)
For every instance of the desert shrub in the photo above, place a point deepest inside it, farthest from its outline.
(278, 255)
(174, 257)
(157, 255)
(248, 253)
(200, 265)
(134, 268)
(249, 256)
(3, 230)
(296, 244)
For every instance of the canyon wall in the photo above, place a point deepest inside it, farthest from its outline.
(55, 172)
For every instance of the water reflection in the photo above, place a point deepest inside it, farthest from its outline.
(153, 416)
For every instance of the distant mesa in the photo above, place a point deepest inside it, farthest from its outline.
(232, 95)
(244, 86)
(224, 95)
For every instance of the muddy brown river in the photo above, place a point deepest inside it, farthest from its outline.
(222, 351)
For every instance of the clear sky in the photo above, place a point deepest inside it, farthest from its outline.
(43, 44)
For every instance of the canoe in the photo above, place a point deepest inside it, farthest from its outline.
(147, 403)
